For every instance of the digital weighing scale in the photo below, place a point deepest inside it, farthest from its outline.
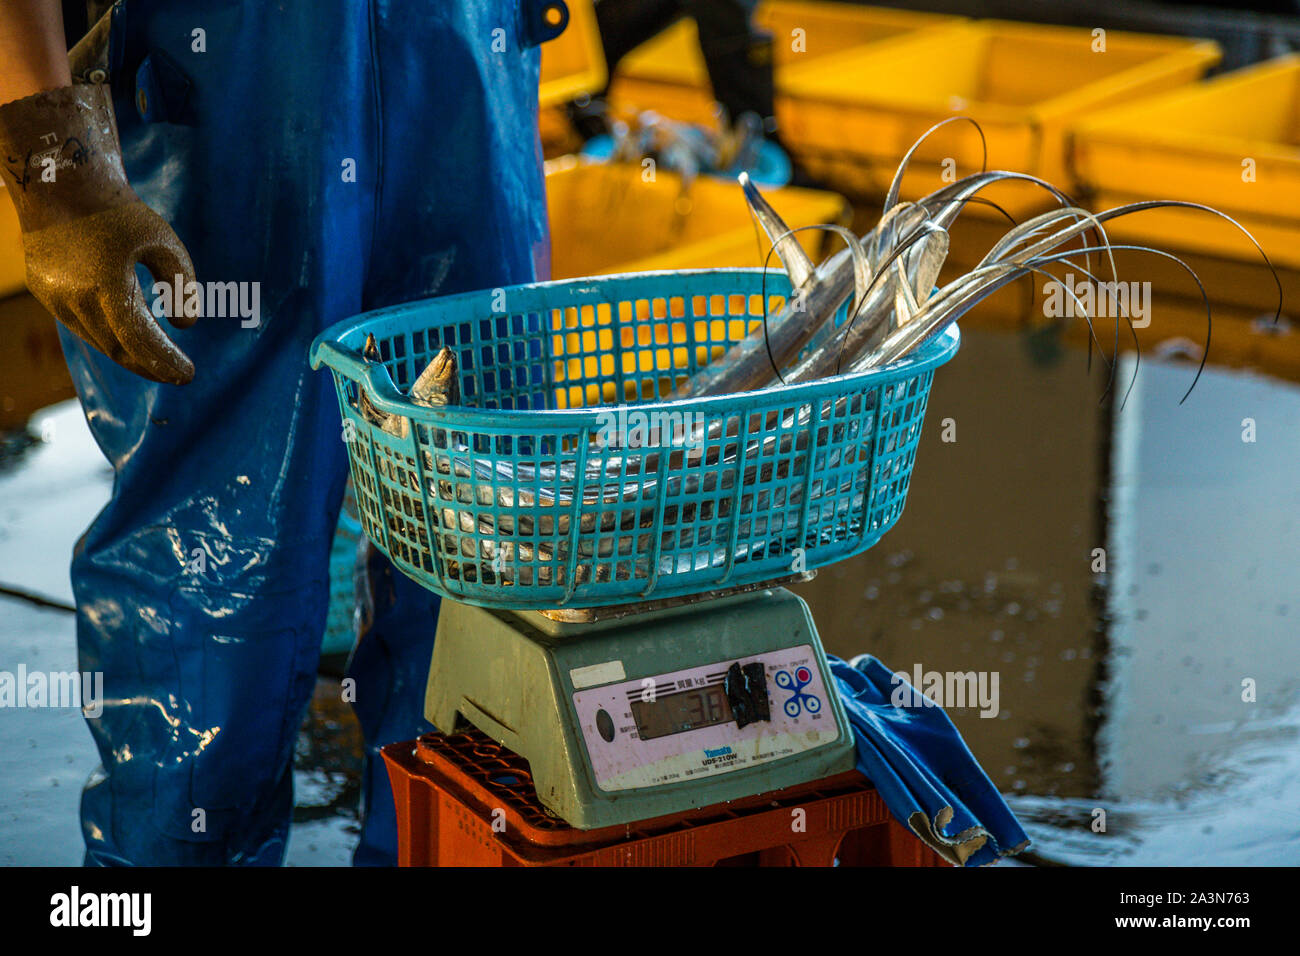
(676, 673)
(623, 717)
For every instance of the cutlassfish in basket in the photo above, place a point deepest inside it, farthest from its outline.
(602, 441)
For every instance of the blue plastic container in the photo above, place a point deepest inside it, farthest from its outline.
(771, 166)
(532, 494)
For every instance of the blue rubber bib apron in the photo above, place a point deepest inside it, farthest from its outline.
(345, 155)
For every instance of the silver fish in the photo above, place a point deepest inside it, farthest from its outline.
(1018, 254)
(914, 234)
(370, 352)
(437, 385)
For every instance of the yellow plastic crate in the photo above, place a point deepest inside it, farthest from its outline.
(667, 72)
(574, 62)
(13, 273)
(852, 116)
(1232, 143)
(605, 219)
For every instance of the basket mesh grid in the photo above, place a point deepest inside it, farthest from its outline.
(557, 514)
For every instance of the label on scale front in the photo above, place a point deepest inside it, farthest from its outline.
(679, 726)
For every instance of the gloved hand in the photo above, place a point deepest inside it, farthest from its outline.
(84, 229)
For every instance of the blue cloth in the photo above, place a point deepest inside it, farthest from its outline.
(922, 768)
(346, 155)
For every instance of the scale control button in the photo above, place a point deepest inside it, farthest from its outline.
(798, 700)
(605, 725)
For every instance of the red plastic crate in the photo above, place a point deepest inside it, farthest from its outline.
(464, 800)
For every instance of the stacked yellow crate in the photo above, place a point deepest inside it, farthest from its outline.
(667, 73)
(852, 116)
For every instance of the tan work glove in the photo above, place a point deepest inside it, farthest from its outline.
(84, 228)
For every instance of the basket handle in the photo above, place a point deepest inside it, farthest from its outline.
(381, 391)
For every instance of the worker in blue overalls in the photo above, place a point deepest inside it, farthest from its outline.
(325, 157)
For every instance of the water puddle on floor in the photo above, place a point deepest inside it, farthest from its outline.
(1147, 713)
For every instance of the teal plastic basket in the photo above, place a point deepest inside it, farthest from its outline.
(528, 495)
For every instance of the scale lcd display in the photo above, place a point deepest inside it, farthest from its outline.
(680, 712)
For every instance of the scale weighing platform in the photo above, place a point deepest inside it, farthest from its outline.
(626, 716)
